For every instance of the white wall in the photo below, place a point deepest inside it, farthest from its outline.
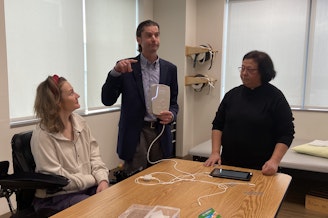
(311, 125)
(183, 22)
(191, 22)
(172, 29)
(4, 102)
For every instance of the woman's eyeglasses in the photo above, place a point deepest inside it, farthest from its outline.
(247, 70)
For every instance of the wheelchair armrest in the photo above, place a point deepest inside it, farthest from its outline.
(4, 166)
(32, 180)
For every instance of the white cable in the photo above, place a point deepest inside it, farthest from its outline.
(151, 144)
(210, 83)
(150, 179)
(197, 87)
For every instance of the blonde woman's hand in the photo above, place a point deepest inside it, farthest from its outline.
(102, 186)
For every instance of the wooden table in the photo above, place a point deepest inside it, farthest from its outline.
(240, 199)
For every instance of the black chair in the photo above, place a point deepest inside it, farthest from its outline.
(24, 181)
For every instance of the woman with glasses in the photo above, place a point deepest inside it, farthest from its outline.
(254, 122)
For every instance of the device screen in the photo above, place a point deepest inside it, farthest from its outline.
(231, 174)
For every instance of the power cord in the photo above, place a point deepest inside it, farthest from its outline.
(151, 145)
(151, 180)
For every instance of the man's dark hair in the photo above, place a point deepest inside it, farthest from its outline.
(141, 27)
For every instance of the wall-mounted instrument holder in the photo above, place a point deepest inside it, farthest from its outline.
(200, 54)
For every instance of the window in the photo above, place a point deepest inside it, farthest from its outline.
(294, 34)
(79, 40)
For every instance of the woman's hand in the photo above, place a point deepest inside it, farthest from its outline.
(213, 159)
(102, 186)
(270, 168)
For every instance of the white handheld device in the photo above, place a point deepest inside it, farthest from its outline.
(160, 98)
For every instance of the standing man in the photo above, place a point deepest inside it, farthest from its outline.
(138, 126)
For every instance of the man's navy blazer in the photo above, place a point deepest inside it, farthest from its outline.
(133, 107)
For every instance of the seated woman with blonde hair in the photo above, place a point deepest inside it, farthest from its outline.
(62, 144)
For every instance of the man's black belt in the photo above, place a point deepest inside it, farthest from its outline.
(151, 124)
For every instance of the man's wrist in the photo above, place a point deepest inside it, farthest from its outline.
(115, 73)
